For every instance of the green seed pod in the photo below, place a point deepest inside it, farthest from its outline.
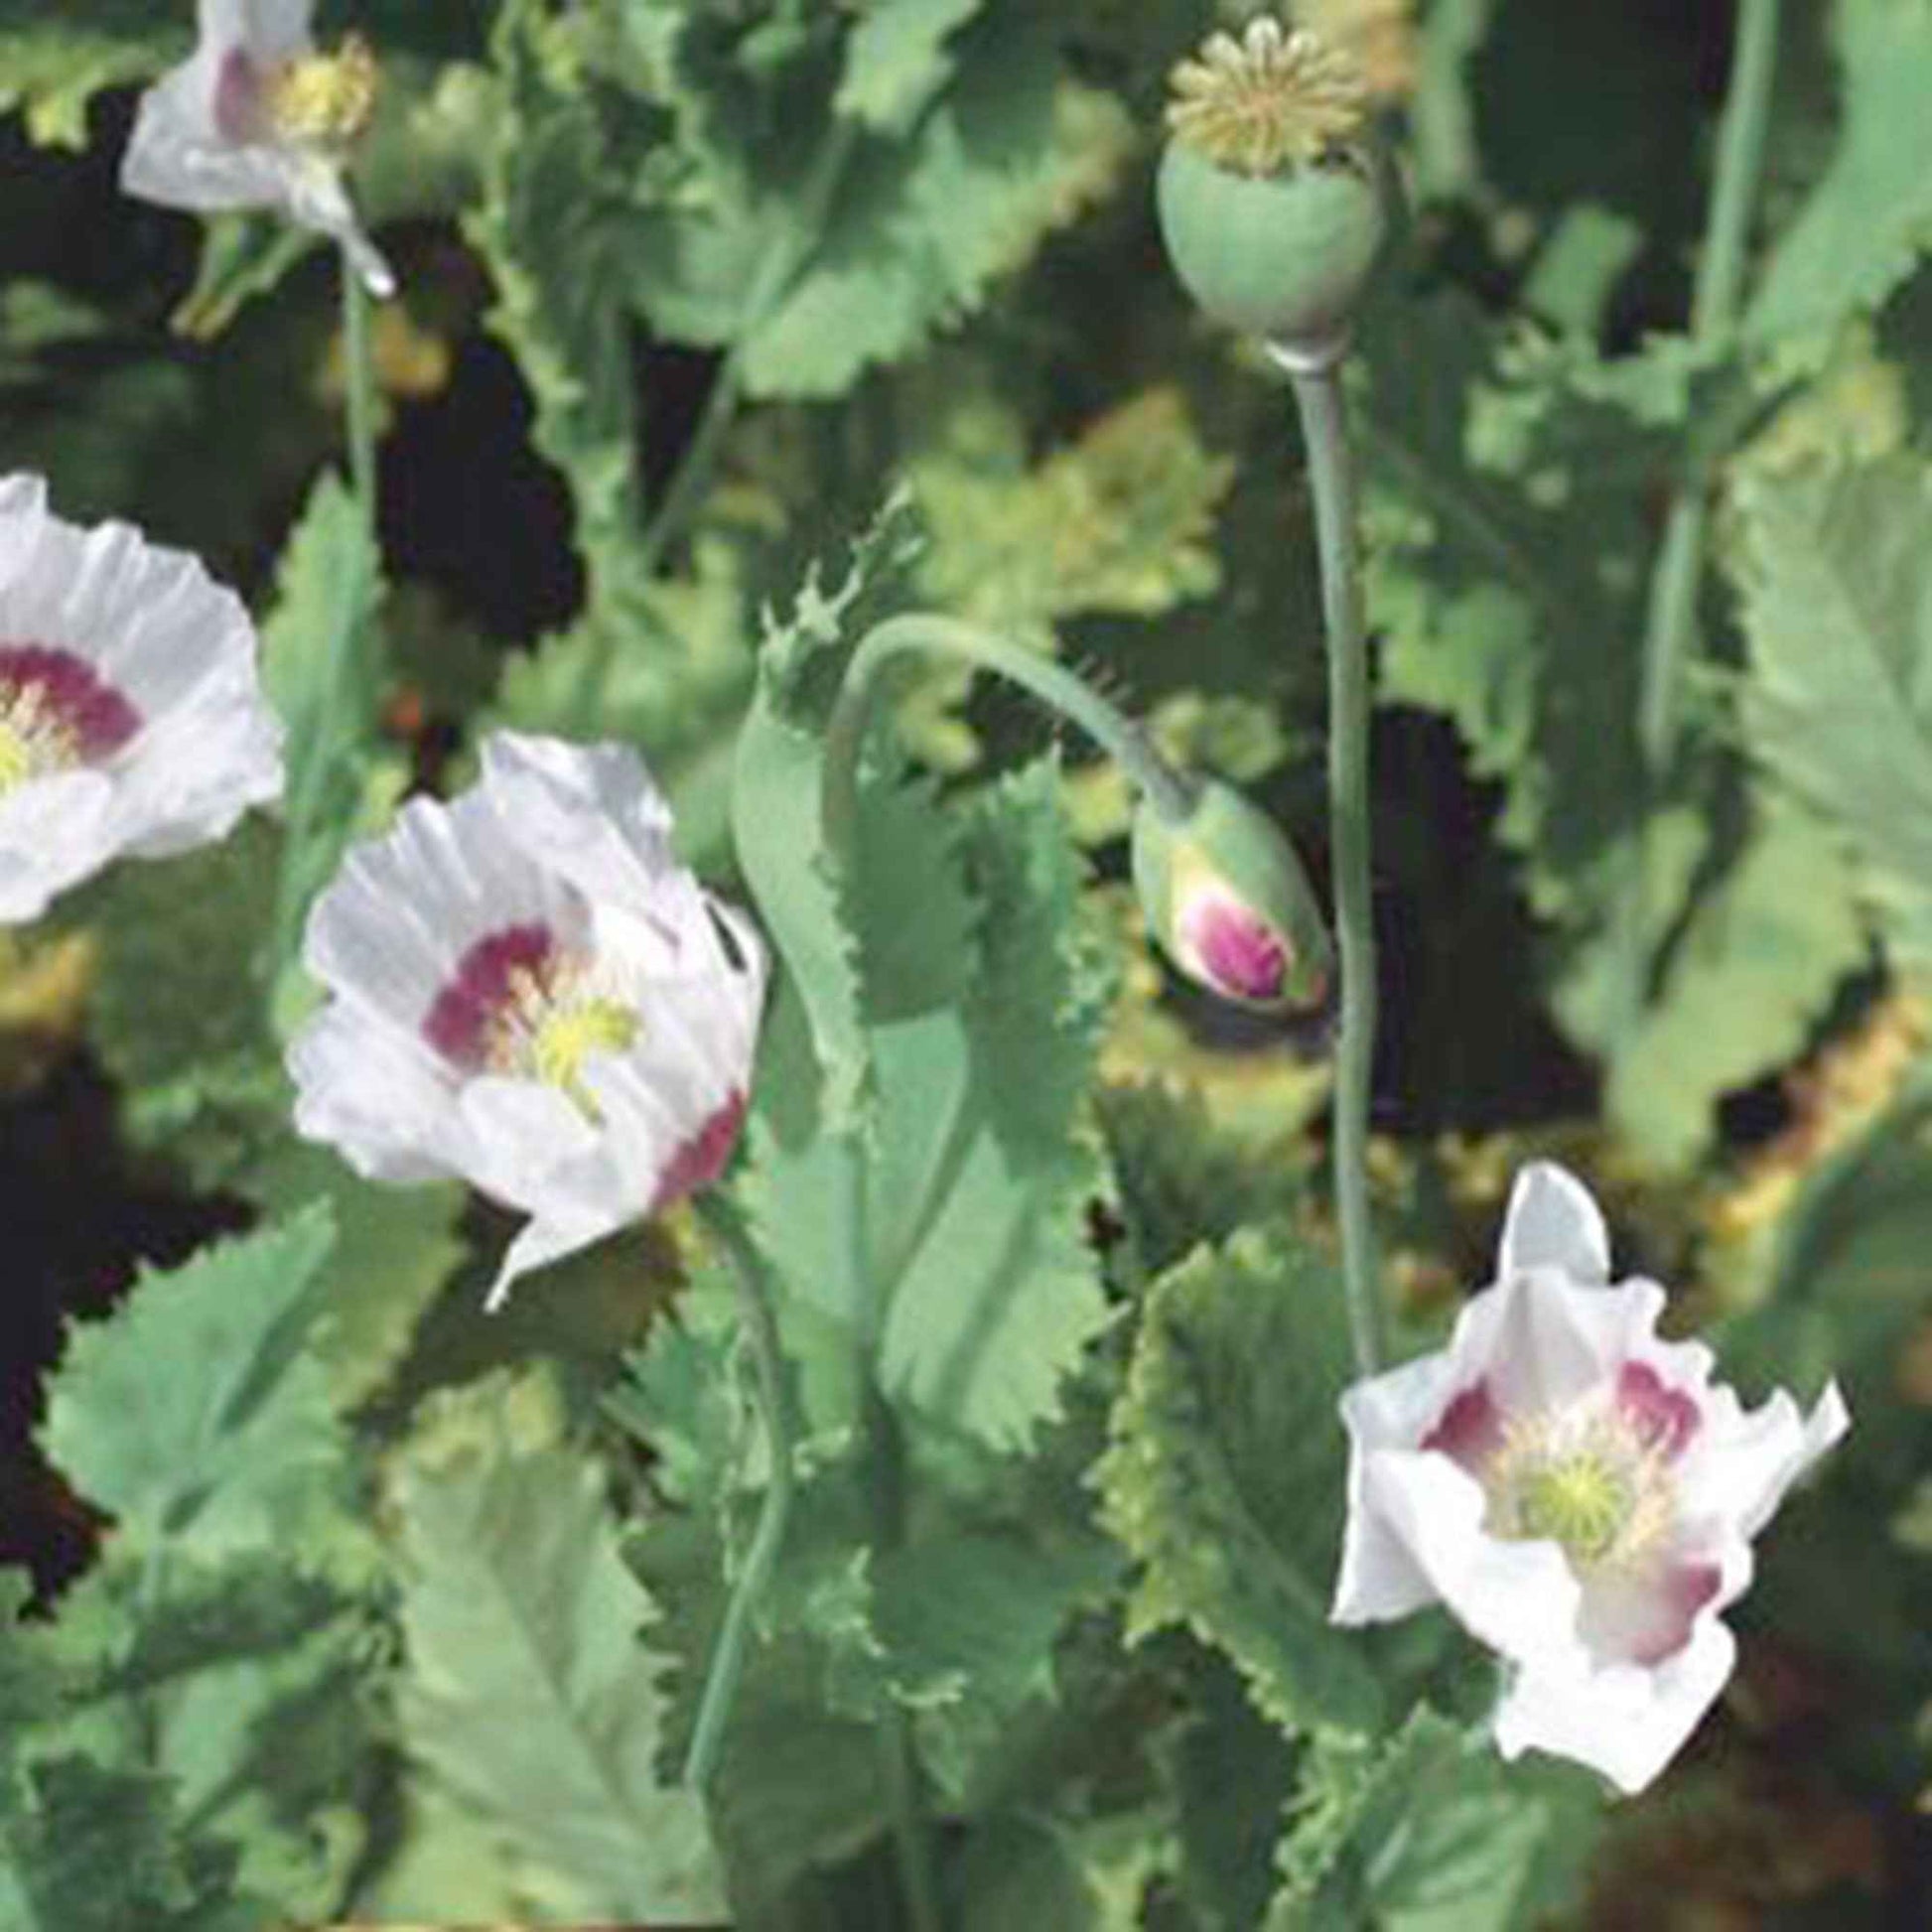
(1268, 201)
(1226, 898)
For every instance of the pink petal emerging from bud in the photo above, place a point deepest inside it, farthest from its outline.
(1234, 950)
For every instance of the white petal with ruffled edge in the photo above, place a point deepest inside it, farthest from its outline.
(152, 630)
(565, 850)
(1617, 1652)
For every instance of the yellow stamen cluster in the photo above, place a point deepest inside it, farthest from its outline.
(553, 1022)
(1585, 1479)
(1270, 100)
(324, 100)
(32, 739)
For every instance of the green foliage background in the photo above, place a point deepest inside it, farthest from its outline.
(334, 1600)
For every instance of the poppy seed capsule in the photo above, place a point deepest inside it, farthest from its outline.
(1226, 898)
(1269, 201)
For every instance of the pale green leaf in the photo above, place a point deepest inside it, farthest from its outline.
(1752, 969)
(1864, 226)
(896, 60)
(1225, 1474)
(320, 668)
(1836, 586)
(1429, 1831)
(198, 1412)
(55, 59)
(529, 1690)
(395, 1248)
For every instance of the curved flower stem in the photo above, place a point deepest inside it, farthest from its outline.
(1059, 689)
(1069, 695)
(760, 1323)
(1331, 469)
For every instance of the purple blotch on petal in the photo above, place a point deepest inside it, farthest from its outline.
(700, 1159)
(1469, 1430)
(75, 696)
(459, 1023)
(1667, 1418)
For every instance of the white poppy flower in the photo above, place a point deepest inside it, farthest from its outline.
(1576, 1490)
(256, 117)
(131, 721)
(532, 995)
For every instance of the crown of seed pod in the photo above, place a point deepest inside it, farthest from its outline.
(1268, 194)
(1226, 898)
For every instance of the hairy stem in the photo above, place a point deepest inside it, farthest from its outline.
(1059, 689)
(1331, 470)
(761, 1325)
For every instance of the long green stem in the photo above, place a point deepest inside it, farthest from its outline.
(761, 1325)
(1331, 470)
(1671, 620)
(358, 385)
(1713, 313)
(797, 239)
(886, 1475)
(1059, 689)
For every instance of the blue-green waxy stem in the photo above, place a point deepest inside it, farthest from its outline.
(1671, 624)
(760, 1322)
(1332, 471)
(1169, 793)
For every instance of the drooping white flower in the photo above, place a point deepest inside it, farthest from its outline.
(1576, 1490)
(256, 117)
(532, 995)
(131, 720)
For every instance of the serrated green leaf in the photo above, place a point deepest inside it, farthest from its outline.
(394, 1248)
(1837, 588)
(1225, 1473)
(198, 1413)
(896, 60)
(1507, 550)
(320, 668)
(1865, 226)
(56, 57)
(776, 802)
(89, 1847)
(1429, 1831)
(529, 1689)
(984, 1161)
(178, 1010)
(1755, 965)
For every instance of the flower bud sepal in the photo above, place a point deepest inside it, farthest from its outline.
(1226, 898)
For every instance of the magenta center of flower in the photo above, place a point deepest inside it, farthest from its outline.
(1240, 954)
(55, 713)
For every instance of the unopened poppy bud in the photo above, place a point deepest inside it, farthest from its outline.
(1227, 901)
(1269, 199)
